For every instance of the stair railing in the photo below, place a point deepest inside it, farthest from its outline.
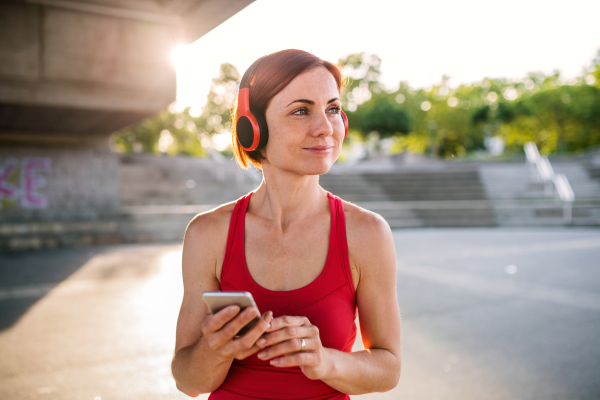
(541, 169)
(532, 153)
(546, 174)
(565, 193)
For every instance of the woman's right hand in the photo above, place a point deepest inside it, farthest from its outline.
(220, 329)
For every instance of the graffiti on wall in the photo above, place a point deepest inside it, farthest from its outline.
(22, 180)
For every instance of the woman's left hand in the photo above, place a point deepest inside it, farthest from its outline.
(285, 340)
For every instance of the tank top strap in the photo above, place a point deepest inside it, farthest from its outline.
(340, 237)
(236, 224)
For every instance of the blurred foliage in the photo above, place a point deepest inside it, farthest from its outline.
(441, 121)
(362, 72)
(380, 114)
(559, 118)
(185, 131)
(446, 122)
(372, 112)
(167, 132)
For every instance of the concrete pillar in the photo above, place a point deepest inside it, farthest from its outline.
(71, 73)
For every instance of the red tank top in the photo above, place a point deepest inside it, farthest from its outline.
(329, 302)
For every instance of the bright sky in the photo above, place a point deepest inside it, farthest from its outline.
(418, 41)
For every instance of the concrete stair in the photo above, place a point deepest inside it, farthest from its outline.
(468, 194)
(436, 195)
(441, 197)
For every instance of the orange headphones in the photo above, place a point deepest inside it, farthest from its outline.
(252, 130)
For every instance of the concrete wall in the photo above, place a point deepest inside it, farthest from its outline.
(76, 195)
(148, 180)
(58, 183)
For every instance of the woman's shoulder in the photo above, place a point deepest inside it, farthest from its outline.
(211, 220)
(360, 221)
(369, 237)
(205, 242)
(209, 229)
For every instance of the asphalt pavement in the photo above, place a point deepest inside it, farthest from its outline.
(487, 314)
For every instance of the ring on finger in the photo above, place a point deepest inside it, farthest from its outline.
(302, 344)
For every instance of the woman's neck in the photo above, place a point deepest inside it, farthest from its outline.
(284, 197)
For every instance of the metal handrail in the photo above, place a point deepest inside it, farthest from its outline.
(565, 192)
(532, 153)
(546, 174)
(542, 169)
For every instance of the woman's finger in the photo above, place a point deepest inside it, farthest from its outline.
(216, 321)
(288, 320)
(303, 358)
(287, 333)
(242, 354)
(248, 340)
(229, 330)
(287, 347)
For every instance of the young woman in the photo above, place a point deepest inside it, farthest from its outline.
(310, 259)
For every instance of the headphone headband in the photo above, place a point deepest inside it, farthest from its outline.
(245, 82)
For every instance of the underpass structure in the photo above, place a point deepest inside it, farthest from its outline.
(71, 73)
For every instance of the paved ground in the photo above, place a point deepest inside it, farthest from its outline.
(486, 314)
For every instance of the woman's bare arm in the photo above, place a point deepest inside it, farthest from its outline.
(204, 349)
(377, 368)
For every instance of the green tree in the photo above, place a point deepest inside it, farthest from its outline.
(175, 132)
(563, 119)
(216, 114)
(362, 72)
(440, 120)
(167, 132)
(382, 115)
(369, 108)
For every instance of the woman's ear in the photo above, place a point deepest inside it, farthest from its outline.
(263, 155)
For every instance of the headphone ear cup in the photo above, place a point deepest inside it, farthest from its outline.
(245, 131)
(345, 119)
(264, 131)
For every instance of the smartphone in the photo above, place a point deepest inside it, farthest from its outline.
(216, 301)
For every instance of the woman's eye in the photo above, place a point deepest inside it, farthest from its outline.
(300, 111)
(304, 111)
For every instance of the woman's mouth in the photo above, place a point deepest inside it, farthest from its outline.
(319, 149)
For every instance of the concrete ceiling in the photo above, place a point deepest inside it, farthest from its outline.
(94, 66)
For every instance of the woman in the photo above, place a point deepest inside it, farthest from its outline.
(309, 259)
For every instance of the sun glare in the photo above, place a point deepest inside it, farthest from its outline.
(191, 79)
(179, 55)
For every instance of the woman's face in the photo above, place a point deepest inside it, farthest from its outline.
(305, 127)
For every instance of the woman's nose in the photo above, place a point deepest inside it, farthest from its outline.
(323, 126)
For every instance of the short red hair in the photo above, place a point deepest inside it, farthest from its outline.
(274, 72)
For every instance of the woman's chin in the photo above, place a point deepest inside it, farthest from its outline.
(316, 168)
(305, 166)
